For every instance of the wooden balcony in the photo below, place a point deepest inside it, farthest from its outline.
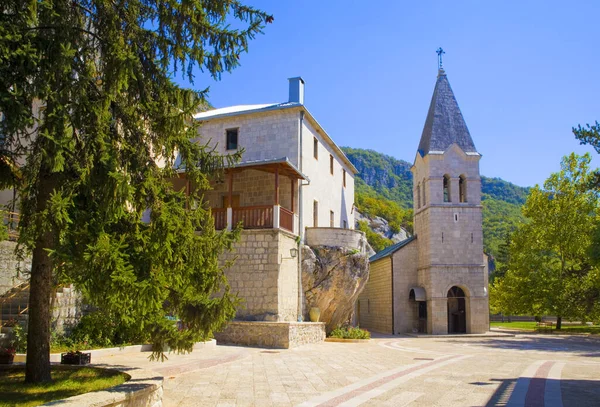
(254, 217)
(11, 221)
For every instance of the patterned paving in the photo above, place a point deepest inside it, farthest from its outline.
(523, 371)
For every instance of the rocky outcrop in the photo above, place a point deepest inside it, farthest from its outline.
(332, 279)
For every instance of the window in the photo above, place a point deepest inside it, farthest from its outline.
(447, 197)
(424, 201)
(316, 148)
(418, 196)
(331, 164)
(345, 223)
(344, 177)
(331, 219)
(462, 188)
(232, 139)
(315, 213)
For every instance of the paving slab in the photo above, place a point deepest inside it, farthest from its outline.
(522, 370)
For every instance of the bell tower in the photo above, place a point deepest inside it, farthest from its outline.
(448, 219)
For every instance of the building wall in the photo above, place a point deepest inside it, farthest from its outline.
(405, 278)
(261, 275)
(263, 136)
(375, 302)
(13, 271)
(324, 187)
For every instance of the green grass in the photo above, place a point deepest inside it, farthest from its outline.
(531, 326)
(67, 382)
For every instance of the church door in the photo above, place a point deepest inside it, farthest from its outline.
(457, 313)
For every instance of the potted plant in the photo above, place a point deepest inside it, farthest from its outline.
(7, 355)
(75, 358)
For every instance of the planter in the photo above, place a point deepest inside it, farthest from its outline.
(6, 359)
(315, 314)
(75, 358)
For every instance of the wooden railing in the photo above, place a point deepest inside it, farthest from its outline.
(220, 216)
(11, 221)
(286, 219)
(254, 217)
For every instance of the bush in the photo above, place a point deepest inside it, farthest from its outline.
(349, 333)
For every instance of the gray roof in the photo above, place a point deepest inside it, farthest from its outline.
(388, 251)
(445, 124)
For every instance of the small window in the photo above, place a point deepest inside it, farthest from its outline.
(344, 177)
(418, 196)
(462, 188)
(331, 219)
(232, 139)
(345, 223)
(331, 164)
(315, 213)
(424, 200)
(447, 197)
(316, 148)
(456, 217)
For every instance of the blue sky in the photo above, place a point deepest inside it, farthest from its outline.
(523, 72)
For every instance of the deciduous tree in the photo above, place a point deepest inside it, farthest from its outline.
(549, 267)
(93, 127)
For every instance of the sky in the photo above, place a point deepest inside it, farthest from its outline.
(523, 72)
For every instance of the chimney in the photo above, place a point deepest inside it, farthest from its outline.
(296, 90)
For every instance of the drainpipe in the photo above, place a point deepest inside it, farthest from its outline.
(300, 228)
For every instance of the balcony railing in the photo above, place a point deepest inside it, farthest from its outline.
(220, 216)
(286, 219)
(254, 217)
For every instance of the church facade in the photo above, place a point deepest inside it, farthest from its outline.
(436, 281)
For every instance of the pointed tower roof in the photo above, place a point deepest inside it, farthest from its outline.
(445, 124)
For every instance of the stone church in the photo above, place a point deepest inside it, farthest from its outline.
(436, 281)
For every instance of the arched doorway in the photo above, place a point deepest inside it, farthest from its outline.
(457, 312)
(417, 298)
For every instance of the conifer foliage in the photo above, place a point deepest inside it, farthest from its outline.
(93, 128)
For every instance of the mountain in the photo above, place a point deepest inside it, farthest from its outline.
(383, 188)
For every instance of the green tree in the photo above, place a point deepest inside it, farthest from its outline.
(97, 125)
(549, 269)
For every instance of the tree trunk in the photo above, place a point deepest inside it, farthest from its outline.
(558, 322)
(37, 367)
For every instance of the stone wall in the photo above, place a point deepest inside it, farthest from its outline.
(374, 306)
(67, 308)
(13, 272)
(278, 335)
(405, 278)
(262, 273)
(351, 239)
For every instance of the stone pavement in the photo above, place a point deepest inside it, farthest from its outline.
(527, 370)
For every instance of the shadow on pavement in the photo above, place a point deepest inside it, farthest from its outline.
(575, 393)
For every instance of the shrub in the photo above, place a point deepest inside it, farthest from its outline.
(349, 332)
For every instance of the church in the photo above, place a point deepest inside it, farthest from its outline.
(435, 282)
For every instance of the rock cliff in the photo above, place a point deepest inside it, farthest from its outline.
(332, 279)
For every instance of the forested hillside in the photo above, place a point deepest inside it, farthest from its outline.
(384, 188)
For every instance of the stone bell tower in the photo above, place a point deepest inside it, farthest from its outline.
(447, 219)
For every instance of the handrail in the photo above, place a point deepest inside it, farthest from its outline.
(19, 289)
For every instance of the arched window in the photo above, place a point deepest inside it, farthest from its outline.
(447, 197)
(462, 188)
(418, 195)
(424, 199)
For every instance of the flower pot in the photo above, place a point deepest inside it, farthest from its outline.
(6, 359)
(77, 358)
(315, 314)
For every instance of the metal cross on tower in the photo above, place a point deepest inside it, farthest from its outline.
(440, 52)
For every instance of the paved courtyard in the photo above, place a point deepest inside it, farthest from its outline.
(527, 370)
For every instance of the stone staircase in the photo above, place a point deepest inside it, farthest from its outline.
(14, 305)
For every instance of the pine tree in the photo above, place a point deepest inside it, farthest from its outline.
(93, 129)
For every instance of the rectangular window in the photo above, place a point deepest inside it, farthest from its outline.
(331, 164)
(315, 214)
(316, 148)
(346, 226)
(331, 219)
(232, 139)
(344, 177)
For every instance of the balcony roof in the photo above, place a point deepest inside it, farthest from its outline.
(283, 164)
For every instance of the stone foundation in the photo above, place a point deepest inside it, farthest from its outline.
(278, 335)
